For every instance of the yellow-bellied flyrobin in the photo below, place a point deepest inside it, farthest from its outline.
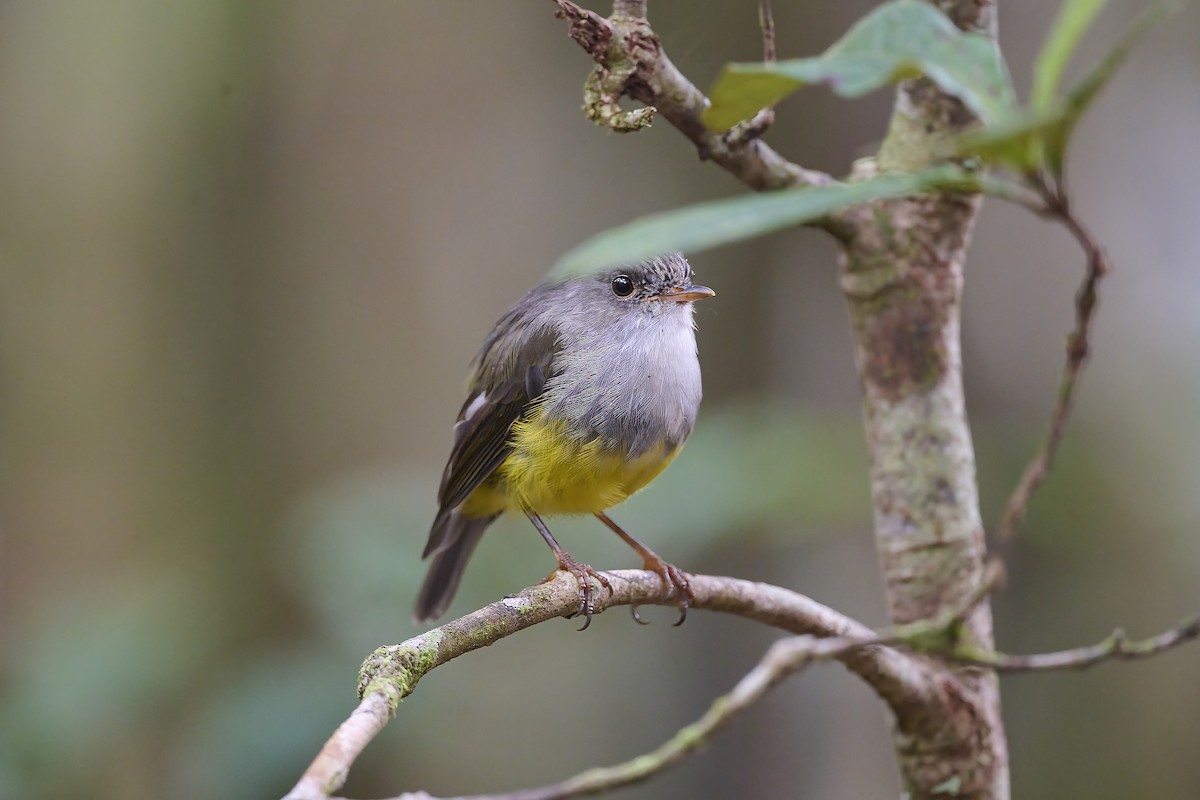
(580, 396)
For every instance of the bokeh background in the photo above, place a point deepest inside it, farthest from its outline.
(246, 252)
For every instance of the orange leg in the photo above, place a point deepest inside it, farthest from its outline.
(674, 579)
(582, 572)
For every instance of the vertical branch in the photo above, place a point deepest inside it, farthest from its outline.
(903, 283)
(902, 274)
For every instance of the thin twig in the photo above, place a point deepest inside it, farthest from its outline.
(1116, 647)
(766, 21)
(756, 126)
(1058, 206)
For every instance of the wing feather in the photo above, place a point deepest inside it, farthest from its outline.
(510, 374)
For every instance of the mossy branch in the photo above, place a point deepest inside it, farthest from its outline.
(391, 673)
(914, 688)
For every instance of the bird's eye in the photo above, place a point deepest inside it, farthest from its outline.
(622, 286)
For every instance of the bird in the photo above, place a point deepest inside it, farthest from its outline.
(581, 394)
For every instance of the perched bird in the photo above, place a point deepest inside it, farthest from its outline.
(580, 396)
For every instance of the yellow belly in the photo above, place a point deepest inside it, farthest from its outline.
(548, 472)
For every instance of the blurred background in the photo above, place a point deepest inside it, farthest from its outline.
(246, 253)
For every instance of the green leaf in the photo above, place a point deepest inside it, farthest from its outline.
(1074, 17)
(898, 40)
(1081, 96)
(705, 225)
(1016, 144)
(1038, 138)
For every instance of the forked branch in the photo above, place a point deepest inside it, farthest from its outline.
(786, 657)
(631, 62)
(914, 688)
(391, 673)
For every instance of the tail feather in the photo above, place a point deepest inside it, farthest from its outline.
(456, 542)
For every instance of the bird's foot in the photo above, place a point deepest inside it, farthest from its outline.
(587, 592)
(675, 582)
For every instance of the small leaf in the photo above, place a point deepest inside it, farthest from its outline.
(898, 40)
(705, 225)
(1074, 17)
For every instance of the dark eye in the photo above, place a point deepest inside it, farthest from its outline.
(622, 286)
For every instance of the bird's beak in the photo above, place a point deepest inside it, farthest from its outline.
(682, 295)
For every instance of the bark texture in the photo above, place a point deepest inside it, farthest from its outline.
(902, 274)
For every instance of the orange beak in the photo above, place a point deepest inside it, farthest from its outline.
(681, 295)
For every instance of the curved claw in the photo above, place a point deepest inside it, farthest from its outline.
(674, 579)
(682, 616)
(674, 582)
(636, 616)
(583, 575)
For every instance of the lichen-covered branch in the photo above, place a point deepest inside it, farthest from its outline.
(630, 62)
(902, 274)
(910, 685)
(391, 673)
(397, 668)
(329, 769)
(902, 277)
(786, 657)
(789, 656)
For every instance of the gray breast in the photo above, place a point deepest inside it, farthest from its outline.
(634, 386)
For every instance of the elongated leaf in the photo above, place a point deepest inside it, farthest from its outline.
(898, 40)
(1017, 144)
(1038, 138)
(1082, 94)
(718, 222)
(1074, 18)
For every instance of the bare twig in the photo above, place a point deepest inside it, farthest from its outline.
(913, 688)
(766, 21)
(631, 62)
(1116, 647)
(757, 125)
(1057, 206)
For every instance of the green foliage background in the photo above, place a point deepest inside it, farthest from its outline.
(246, 251)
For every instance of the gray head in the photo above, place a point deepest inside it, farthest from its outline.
(643, 293)
(626, 368)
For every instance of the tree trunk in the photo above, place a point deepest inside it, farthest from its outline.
(902, 274)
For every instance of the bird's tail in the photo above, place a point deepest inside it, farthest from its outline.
(457, 539)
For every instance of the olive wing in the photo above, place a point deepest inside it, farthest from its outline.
(511, 372)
